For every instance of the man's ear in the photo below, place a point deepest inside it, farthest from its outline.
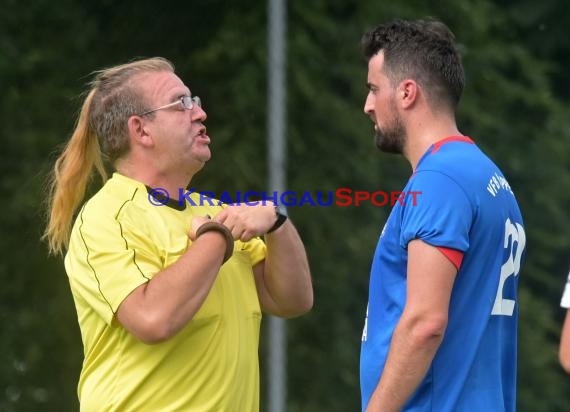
(138, 132)
(407, 93)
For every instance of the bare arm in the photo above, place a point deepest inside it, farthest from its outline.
(420, 330)
(158, 309)
(283, 279)
(564, 351)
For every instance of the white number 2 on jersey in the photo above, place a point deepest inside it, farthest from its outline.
(514, 233)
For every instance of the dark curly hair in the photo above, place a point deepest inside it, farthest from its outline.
(423, 50)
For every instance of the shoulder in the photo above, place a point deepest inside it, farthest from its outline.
(110, 204)
(112, 209)
(460, 162)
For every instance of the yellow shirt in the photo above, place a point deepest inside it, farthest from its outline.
(119, 241)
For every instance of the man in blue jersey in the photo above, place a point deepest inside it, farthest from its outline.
(441, 327)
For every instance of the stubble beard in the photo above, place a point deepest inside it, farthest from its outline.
(392, 139)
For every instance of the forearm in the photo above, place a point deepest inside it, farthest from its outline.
(564, 350)
(283, 280)
(286, 275)
(412, 350)
(164, 305)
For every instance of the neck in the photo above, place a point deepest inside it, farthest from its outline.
(154, 178)
(421, 135)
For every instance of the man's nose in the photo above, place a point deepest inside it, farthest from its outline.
(368, 105)
(198, 114)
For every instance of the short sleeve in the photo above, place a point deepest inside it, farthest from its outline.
(107, 259)
(440, 215)
(565, 302)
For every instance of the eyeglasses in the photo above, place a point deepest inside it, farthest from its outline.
(187, 103)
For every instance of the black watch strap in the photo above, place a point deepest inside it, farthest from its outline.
(281, 218)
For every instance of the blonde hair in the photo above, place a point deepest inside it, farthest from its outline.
(101, 129)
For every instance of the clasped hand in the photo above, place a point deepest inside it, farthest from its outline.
(245, 222)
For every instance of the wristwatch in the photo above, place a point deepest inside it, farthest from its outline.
(281, 218)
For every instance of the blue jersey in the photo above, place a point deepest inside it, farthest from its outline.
(462, 202)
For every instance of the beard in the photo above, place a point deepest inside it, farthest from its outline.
(392, 138)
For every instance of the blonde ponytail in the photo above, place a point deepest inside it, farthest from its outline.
(70, 177)
(113, 98)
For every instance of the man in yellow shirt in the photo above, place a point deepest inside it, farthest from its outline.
(169, 296)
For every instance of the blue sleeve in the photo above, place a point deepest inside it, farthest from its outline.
(442, 213)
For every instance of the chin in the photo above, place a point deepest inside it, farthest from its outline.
(207, 157)
(204, 155)
(388, 145)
